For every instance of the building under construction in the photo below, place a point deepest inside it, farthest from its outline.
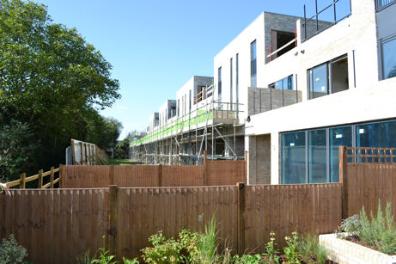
(193, 124)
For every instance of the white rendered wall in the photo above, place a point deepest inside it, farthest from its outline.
(240, 45)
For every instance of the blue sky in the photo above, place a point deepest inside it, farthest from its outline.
(157, 45)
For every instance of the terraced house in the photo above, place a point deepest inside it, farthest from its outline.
(286, 92)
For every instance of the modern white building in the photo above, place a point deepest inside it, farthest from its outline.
(346, 77)
(287, 91)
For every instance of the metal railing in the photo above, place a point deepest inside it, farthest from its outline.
(275, 53)
(321, 25)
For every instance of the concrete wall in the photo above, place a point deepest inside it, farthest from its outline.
(263, 99)
(259, 159)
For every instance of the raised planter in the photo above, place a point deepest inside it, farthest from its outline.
(346, 252)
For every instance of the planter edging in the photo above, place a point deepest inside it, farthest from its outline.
(346, 252)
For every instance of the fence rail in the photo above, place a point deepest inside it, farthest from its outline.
(370, 155)
(39, 177)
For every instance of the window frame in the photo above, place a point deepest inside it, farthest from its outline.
(380, 8)
(253, 44)
(383, 42)
(219, 80)
(329, 67)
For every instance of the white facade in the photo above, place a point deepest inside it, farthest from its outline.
(367, 99)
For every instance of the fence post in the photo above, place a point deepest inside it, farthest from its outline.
(205, 169)
(113, 219)
(160, 175)
(240, 218)
(22, 181)
(111, 175)
(61, 175)
(40, 179)
(52, 178)
(343, 178)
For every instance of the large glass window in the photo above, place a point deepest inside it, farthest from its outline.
(384, 3)
(219, 82)
(318, 81)
(381, 134)
(253, 64)
(389, 58)
(338, 136)
(293, 158)
(316, 159)
(317, 165)
(284, 84)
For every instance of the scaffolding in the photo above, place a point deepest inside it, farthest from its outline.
(212, 128)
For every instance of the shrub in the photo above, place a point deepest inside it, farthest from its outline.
(11, 252)
(310, 251)
(248, 259)
(104, 257)
(351, 225)
(207, 245)
(162, 250)
(271, 254)
(380, 230)
(130, 261)
(290, 250)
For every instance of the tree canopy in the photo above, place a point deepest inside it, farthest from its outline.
(52, 84)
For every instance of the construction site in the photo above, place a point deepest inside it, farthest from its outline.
(183, 136)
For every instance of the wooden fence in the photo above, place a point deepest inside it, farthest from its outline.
(40, 177)
(368, 176)
(211, 173)
(67, 222)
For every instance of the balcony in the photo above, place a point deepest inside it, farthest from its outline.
(265, 99)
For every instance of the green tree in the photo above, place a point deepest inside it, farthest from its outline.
(52, 80)
(122, 148)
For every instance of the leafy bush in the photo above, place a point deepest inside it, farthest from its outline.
(11, 252)
(378, 231)
(104, 257)
(351, 225)
(162, 251)
(248, 259)
(310, 251)
(189, 247)
(271, 254)
(130, 261)
(290, 251)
